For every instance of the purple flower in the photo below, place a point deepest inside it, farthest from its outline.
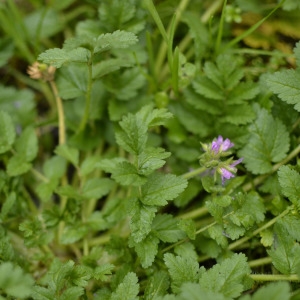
(219, 144)
(227, 173)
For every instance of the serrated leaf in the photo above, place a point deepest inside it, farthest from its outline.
(268, 142)
(126, 173)
(292, 224)
(285, 253)
(193, 291)
(8, 204)
(157, 285)
(204, 86)
(274, 291)
(286, 85)
(133, 136)
(116, 40)
(7, 132)
(141, 220)
(74, 233)
(57, 57)
(102, 272)
(128, 84)
(189, 227)
(128, 289)
(151, 159)
(289, 181)
(109, 65)
(181, 270)
(73, 292)
(161, 188)
(238, 114)
(232, 275)
(166, 229)
(146, 250)
(17, 284)
(96, 188)
(69, 153)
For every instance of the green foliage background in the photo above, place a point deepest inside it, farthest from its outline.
(102, 194)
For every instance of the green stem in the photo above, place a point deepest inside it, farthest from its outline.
(275, 277)
(258, 180)
(196, 213)
(61, 115)
(194, 173)
(260, 262)
(260, 229)
(87, 99)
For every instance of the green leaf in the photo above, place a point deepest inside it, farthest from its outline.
(161, 188)
(285, 253)
(146, 250)
(292, 224)
(126, 173)
(96, 188)
(232, 277)
(17, 165)
(102, 272)
(58, 57)
(72, 81)
(128, 84)
(128, 289)
(274, 291)
(27, 144)
(14, 282)
(181, 270)
(251, 210)
(69, 153)
(141, 220)
(133, 136)
(7, 132)
(286, 85)
(189, 227)
(109, 65)
(73, 292)
(268, 142)
(55, 167)
(8, 204)
(289, 181)
(166, 229)
(151, 159)
(193, 291)
(115, 40)
(157, 285)
(238, 114)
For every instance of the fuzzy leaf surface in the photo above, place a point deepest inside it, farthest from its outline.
(162, 188)
(128, 289)
(166, 229)
(181, 270)
(157, 285)
(231, 276)
(268, 143)
(289, 181)
(286, 85)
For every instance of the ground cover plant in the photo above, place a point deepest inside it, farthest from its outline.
(149, 149)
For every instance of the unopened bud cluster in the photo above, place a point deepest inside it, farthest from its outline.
(213, 158)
